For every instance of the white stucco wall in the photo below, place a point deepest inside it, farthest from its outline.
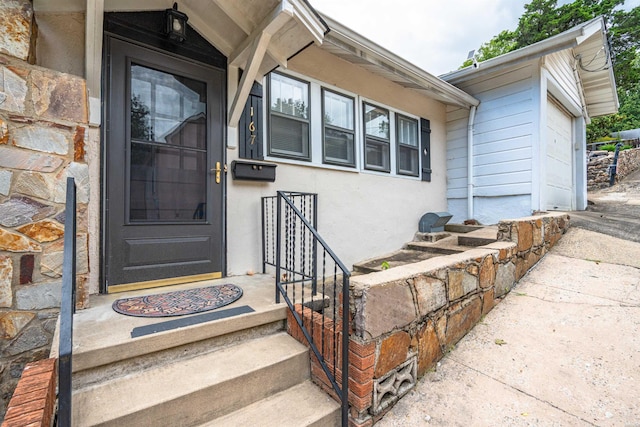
(361, 214)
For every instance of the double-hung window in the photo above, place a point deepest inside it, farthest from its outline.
(376, 138)
(407, 142)
(289, 117)
(338, 129)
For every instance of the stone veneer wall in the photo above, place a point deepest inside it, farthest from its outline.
(43, 125)
(598, 168)
(406, 318)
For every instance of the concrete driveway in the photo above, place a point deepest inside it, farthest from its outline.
(562, 349)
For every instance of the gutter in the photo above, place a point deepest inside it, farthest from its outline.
(472, 118)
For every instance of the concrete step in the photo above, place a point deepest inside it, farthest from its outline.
(301, 405)
(192, 391)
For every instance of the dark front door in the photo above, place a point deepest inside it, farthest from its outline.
(164, 150)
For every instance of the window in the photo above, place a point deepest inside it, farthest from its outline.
(407, 141)
(288, 117)
(376, 138)
(338, 133)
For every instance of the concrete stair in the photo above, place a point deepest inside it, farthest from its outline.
(240, 370)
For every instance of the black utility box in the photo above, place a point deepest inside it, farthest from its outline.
(252, 171)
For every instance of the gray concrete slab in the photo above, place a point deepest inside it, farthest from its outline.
(562, 349)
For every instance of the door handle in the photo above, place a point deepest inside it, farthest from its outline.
(217, 170)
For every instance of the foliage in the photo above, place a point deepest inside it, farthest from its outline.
(612, 147)
(544, 18)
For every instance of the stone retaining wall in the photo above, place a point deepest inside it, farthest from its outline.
(406, 318)
(43, 128)
(598, 168)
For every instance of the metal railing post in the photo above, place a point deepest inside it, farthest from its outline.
(67, 308)
(278, 243)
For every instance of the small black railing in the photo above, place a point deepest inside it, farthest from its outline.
(67, 308)
(313, 282)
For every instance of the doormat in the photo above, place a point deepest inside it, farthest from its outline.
(178, 303)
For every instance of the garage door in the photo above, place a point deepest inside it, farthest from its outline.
(559, 177)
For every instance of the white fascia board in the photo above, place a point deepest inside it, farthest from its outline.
(562, 41)
(384, 57)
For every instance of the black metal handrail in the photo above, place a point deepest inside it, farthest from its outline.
(311, 279)
(67, 308)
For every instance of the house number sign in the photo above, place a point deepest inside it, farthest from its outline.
(252, 128)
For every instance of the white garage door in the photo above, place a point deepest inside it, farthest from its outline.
(559, 184)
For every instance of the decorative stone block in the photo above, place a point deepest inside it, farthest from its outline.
(40, 138)
(13, 158)
(4, 132)
(16, 17)
(59, 96)
(39, 297)
(461, 320)
(429, 349)
(12, 322)
(13, 90)
(390, 388)
(78, 171)
(6, 276)
(487, 273)
(393, 351)
(13, 242)
(432, 294)
(22, 210)
(386, 307)
(43, 231)
(461, 283)
(505, 277)
(27, 263)
(79, 144)
(31, 338)
(5, 182)
(53, 257)
(538, 233)
(525, 236)
(34, 184)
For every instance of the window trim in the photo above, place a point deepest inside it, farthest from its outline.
(309, 146)
(415, 149)
(325, 160)
(375, 139)
(316, 130)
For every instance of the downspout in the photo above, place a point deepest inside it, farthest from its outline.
(472, 118)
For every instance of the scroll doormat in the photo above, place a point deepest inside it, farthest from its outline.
(179, 303)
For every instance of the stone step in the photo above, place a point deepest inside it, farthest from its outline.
(302, 405)
(192, 391)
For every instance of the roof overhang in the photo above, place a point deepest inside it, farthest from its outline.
(592, 62)
(356, 49)
(255, 35)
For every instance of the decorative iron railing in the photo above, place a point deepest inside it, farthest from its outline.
(67, 308)
(313, 282)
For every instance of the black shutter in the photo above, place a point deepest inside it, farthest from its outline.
(250, 126)
(425, 137)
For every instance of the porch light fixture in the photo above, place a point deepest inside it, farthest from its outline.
(176, 27)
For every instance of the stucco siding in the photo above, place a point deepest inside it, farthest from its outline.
(361, 213)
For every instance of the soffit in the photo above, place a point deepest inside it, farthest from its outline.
(593, 63)
(229, 25)
(353, 48)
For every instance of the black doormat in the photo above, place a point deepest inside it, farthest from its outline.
(178, 303)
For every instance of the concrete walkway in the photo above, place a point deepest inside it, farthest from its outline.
(562, 349)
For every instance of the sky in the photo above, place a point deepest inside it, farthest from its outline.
(434, 35)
